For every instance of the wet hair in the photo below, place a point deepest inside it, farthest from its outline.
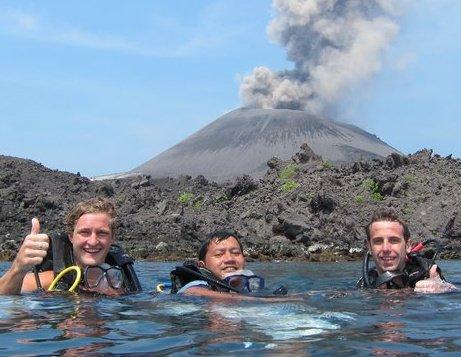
(217, 236)
(92, 205)
(387, 215)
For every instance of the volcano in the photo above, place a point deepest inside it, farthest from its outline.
(242, 141)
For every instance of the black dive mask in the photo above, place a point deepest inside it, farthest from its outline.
(96, 276)
(245, 281)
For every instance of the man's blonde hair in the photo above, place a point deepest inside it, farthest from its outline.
(92, 205)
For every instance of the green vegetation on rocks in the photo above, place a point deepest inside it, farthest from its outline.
(185, 198)
(289, 186)
(327, 165)
(372, 186)
(168, 219)
(286, 176)
(288, 172)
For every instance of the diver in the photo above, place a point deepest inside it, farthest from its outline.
(398, 264)
(220, 272)
(85, 259)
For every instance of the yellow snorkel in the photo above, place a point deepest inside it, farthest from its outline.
(160, 288)
(78, 278)
(163, 287)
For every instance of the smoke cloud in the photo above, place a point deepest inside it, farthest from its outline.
(334, 44)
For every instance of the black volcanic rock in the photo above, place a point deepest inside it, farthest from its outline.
(242, 141)
(305, 155)
(297, 210)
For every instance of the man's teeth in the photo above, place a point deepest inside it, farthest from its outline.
(388, 259)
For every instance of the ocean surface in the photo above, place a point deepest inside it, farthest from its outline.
(329, 317)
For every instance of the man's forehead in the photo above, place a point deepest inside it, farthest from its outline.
(380, 226)
(224, 243)
(93, 219)
(94, 215)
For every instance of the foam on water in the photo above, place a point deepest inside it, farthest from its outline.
(283, 322)
(176, 308)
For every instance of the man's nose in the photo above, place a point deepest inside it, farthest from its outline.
(228, 257)
(386, 245)
(93, 238)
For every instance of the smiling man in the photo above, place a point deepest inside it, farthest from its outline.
(90, 231)
(220, 254)
(220, 271)
(389, 244)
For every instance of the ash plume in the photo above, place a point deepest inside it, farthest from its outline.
(334, 44)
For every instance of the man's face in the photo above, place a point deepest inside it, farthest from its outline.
(91, 239)
(224, 257)
(388, 246)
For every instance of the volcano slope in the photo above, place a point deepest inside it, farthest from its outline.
(242, 141)
(302, 209)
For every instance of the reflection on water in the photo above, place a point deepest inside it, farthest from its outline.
(331, 317)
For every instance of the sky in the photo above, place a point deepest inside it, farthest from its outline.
(101, 87)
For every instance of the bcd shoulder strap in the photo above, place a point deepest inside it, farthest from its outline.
(117, 256)
(190, 271)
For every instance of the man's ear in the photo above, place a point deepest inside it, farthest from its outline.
(367, 244)
(409, 245)
(201, 264)
(70, 236)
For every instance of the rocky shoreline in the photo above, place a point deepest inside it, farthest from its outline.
(304, 209)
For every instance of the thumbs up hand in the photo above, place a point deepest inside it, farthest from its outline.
(434, 284)
(35, 226)
(33, 249)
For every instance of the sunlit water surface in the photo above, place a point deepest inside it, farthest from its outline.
(330, 318)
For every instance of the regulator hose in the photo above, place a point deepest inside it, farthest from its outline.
(74, 268)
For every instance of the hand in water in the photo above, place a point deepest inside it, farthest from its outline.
(33, 249)
(434, 284)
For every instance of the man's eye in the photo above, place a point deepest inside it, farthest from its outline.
(377, 241)
(395, 240)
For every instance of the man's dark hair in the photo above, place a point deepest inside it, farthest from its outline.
(387, 215)
(217, 236)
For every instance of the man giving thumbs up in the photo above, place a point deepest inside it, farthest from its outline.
(31, 253)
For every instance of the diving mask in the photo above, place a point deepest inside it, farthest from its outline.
(244, 281)
(100, 275)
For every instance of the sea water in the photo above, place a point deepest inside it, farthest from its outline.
(329, 317)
